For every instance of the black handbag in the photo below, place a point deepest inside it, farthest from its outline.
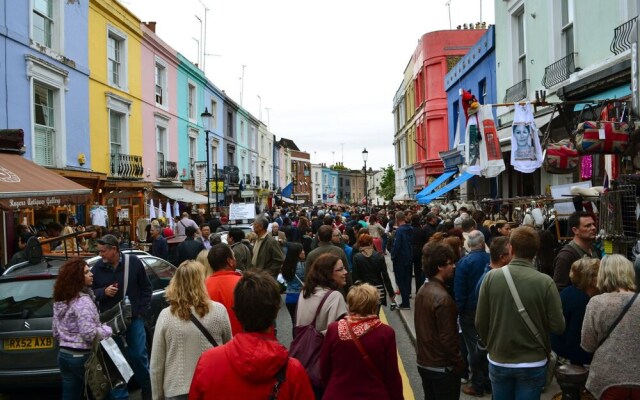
(118, 317)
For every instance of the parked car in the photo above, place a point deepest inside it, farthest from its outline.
(28, 352)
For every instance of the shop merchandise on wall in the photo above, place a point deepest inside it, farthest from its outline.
(98, 215)
(526, 152)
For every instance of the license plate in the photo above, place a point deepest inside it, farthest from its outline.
(28, 343)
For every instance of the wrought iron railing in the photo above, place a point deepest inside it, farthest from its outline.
(517, 92)
(559, 71)
(167, 170)
(125, 166)
(622, 37)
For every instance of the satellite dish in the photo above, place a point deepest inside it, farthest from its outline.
(33, 251)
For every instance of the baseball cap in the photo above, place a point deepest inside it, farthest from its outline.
(109, 240)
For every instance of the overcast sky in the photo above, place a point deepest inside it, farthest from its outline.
(326, 70)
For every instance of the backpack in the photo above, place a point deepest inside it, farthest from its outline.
(306, 346)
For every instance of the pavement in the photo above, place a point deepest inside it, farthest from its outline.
(407, 318)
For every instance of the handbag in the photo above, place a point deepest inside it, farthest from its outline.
(118, 317)
(601, 137)
(552, 357)
(306, 346)
(101, 374)
(204, 331)
(561, 157)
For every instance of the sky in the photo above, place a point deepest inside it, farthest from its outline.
(322, 73)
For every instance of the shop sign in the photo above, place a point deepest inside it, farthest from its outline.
(33, 202)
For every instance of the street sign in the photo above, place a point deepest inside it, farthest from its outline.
(216, 186)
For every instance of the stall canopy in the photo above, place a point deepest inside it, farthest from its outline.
(435, 184)
(183, 195)
(24, 184)
(465, 176)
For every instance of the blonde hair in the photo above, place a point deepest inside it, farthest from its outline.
(187, 289)
(251, 236)
(363, 299)
(202, 259)
(583, 271)
(616, 272)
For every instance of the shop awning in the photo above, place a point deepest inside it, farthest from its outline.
(610, 94)
(291, 201)
(25, 184)
(439, 180)
(183, 195)
(465, 176)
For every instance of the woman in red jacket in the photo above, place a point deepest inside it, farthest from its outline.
(358, 359)
(253, 365)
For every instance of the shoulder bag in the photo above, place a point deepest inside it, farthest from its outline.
(365, 355)
(118, 317)
(306, 346)
(101, 375)
(615, 323)
(204, 330)
(552, 357)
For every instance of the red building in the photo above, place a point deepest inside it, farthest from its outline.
(436, 53)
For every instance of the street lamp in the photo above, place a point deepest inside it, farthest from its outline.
(207, 122)
(365, 155)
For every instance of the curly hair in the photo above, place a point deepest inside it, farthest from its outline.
(70, 280)
(187, 289)
(320, 275)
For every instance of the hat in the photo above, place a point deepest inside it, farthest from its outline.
(109, 240)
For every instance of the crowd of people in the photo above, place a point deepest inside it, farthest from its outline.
(330, 265)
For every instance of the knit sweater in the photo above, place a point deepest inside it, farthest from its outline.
(617, 361)
(177, 346)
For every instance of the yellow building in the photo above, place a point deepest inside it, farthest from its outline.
(115, 121)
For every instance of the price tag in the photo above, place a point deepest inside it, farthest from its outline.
(601, 134)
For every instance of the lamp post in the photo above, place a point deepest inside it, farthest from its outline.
(206, 123)
(365, 155)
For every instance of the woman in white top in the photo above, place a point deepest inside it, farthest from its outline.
(177, 341)
(376, 231)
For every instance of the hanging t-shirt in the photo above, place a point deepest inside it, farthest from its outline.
(98, 216)
(526, 152)
(491, 162)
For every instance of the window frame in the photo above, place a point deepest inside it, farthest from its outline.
(122, 39)
(57, 31)
(192, 100)
(521, 48)
(192, 147)
(121, 106)
(161, 68)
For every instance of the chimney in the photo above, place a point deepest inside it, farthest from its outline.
(151, 25)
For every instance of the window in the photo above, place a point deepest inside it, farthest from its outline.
(213, 155)
(242, 130)
(214, 114)
(230, 158)
(193, 150)
(567, 27)
(116, 132)
(230, 124)
(43, 22)
(44, 132)
(252, 137)
(521, 51)
(117, 58)
(161, 145)
(191, 98)
(161, 84)
(482, 91)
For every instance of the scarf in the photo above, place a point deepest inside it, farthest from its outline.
(367, 251)
(359, 325)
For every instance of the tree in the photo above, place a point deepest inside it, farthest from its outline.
(388, 183)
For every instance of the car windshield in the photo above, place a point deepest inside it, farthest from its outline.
(26, 299)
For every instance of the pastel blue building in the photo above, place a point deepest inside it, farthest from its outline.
(329, 185)
(475, 72)
(44, 77)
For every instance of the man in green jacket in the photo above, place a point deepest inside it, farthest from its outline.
(267, 253)
(517, 361)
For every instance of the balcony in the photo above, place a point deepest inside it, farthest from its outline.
(256, 181)
(265, 185)
(559, 71)
(125, 166)
(247, 179)
(167, 170)
(517, 92)
(622, 37)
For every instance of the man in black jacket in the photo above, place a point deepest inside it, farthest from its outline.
(190, 248)
(109, 288)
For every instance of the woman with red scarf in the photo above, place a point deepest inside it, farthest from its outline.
(359, 359)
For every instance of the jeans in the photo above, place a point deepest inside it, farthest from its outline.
(517, 383)
(477, 359)
(137, 357)
(440, 385)
(403, 280)
(72, 372)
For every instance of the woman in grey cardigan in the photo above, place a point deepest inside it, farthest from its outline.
(613, 373)
(177, 341)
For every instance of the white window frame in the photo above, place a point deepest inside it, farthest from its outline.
(567, 28)
(162, 122)
(192, 148)
(242, 131)
(40, 72)
(215, 144)
(161, 68)
(192, 100)
(122, 38)
(119, 105)
(57, 30)
(520, 58)
(214, 114)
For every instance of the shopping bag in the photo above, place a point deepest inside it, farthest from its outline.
(101, 375)
(111, 348)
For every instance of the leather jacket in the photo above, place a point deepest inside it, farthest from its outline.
(437, 339)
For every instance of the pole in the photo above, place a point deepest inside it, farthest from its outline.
(209, 178)
(366, 194)
(217, 202)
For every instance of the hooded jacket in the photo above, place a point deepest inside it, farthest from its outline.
(246, 368)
